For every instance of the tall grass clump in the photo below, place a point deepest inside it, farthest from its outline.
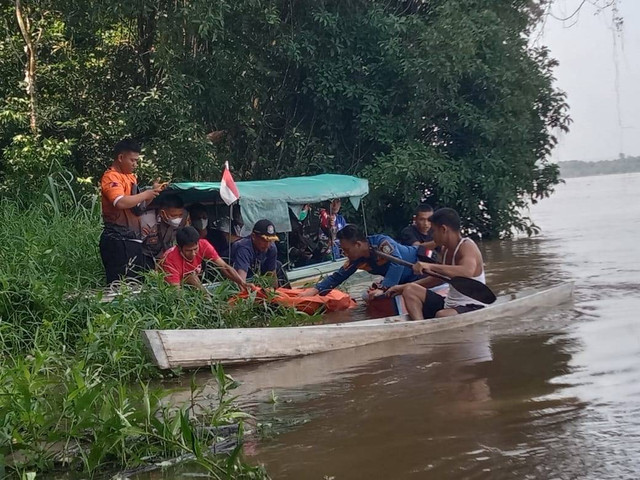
(74, 374)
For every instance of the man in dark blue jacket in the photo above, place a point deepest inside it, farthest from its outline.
(256, 254)
(360, 251)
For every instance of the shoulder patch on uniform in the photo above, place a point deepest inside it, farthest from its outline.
(385, 247)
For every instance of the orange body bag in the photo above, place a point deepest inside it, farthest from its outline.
(334, 301)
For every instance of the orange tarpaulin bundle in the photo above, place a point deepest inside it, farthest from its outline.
(334, 301)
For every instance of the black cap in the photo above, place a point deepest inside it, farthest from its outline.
(266, 229)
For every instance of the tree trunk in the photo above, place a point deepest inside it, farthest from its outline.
(146, 37)
(30, 66)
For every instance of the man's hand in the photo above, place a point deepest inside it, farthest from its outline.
(193, 280)
(395, 290)
(149, 195)
(159, 185)
(310, 292)
(421, 268)
(375, 293)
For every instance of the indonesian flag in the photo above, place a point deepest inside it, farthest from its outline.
(228, 190)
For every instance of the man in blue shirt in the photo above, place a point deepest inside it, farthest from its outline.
(256, 254)
(358, 249)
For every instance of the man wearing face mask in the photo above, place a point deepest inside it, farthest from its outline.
(162, 236)
(122, 205)
(199, 219)
(222, 235)
(303, 248)
(331, 223)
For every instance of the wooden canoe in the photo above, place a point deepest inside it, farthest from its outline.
(199, 348)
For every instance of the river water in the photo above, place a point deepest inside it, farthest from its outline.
(554, 394)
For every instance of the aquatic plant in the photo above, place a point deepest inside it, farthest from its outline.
(82, 421)
(74, 375)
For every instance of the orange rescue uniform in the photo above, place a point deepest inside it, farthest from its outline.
(114, 186)
(120, 242)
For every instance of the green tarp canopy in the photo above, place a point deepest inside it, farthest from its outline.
(272, 198)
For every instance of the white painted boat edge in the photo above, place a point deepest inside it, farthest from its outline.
(197, 348)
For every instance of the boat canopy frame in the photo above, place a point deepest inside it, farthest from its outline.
(272, 199)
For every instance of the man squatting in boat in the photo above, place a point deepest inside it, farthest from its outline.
(460, 257)
(360, 252)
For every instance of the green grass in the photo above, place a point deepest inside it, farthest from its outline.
(74, 374)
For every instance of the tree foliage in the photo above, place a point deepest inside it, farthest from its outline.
(437, 99)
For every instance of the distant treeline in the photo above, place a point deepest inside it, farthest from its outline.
(578, 168)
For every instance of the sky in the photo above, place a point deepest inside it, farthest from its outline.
(604, 124)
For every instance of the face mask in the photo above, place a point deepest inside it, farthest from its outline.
(175, 222)
(201, 223)
(303, 214)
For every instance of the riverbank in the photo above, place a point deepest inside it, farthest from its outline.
(74, 374)
(577, 168)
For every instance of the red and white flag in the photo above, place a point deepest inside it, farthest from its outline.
(228, 190)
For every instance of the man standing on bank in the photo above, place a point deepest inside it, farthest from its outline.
(460, 257)
(122, 205)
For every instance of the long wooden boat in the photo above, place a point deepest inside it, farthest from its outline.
(198, 348)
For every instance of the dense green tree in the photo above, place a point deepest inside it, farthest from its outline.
(437, 99)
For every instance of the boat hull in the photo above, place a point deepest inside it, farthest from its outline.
(199, 348)
(300, 276)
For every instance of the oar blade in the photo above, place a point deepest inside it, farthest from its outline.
(473, 289)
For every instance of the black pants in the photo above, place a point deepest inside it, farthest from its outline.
(432, 304)
(121, 257)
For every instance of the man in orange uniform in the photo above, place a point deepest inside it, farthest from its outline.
(122, 204)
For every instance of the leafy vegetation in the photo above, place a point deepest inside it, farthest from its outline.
(444, 99)
(74, 374)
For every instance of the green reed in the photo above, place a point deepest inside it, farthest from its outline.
(74, 391)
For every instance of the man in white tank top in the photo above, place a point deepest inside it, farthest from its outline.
(460, 257)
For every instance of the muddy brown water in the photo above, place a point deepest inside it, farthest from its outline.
(553, 394)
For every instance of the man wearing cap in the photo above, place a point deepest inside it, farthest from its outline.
(256, 254)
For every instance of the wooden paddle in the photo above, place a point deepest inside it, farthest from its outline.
(466, 286)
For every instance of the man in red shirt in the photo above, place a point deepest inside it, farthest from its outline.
(183, 262)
